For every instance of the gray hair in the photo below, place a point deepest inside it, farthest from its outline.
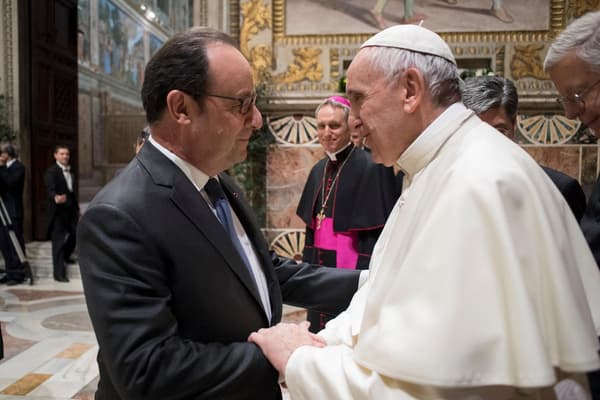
(441, 76)
(583, 36)
(482, 93)
(335, 104)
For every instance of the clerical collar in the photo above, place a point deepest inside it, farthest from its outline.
(197, 177)
(341, 154)
(427, 144)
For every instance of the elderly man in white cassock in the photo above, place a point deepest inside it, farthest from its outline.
(481, 285)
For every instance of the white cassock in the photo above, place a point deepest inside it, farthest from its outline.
(481, 284)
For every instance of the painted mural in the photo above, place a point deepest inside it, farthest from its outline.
(121, 44)
(83, 32)
(368, 16)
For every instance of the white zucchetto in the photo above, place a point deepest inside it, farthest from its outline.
(412, 38)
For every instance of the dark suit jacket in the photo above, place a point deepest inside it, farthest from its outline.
(590, 223)
(171, 301)
(12, 180)
(570, 189)
(56, 184)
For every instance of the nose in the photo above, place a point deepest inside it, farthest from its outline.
(257, 120)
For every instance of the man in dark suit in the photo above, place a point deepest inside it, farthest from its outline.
(175, 270)
(573, 63)
(495, 100)
(12, 180)
(63, 211)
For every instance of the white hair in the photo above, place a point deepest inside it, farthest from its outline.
(335, 104)
(440, 75)
(583, 36)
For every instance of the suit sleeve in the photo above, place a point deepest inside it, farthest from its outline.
(9, 181)
(50, 183)
(312, 286)
(575, 198)
(128, 296)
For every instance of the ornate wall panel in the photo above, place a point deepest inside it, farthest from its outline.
(300, 57)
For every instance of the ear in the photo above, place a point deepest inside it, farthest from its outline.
(178, 106)
(414, 87)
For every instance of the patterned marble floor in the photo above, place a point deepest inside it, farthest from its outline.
(49, 346)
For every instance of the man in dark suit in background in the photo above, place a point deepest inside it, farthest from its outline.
(495, 100)
(63, 211)
(12, 181)
(573, 63)
(175, 269)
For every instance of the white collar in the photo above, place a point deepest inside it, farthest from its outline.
(422, 150)
(10, 162)
(64, 167)
(197, 177)
(333, 156)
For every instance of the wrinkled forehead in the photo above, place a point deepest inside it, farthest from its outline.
(362, 72)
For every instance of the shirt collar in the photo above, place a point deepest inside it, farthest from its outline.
(426, 145)
(10, 162)
(197, 177)
(334, 156)
(64, 167)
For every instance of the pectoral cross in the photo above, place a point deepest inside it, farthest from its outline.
(320, 217)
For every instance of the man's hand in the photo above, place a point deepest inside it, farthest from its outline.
(60, 198)
(280, 341)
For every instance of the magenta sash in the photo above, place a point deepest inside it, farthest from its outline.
(345, 244)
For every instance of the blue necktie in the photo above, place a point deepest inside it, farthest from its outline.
(219, 201)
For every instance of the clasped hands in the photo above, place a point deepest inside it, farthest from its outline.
(280, 341)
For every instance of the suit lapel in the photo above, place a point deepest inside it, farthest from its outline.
(190, 202)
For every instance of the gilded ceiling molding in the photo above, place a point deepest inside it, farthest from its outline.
(306, 66)
(527, 62)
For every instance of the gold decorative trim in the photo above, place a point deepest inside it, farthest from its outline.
(527, 62)
(557, 23)
(256, 17)
(579, 7)
(203, 13)
(8, 78)
(334, 64)
(234, 18)
(305, 67)
(500, 60)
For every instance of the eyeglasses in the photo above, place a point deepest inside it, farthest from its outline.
(245, 102)
(576, 98)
